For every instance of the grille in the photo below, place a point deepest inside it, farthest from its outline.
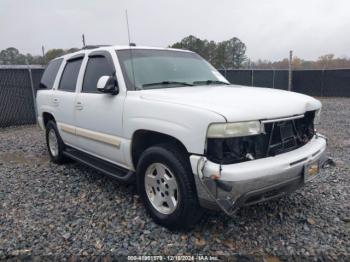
(279, 137)
(288, 135)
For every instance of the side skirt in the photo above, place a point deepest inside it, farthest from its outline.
(107, 168)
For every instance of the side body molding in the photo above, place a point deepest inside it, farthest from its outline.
(89, 134)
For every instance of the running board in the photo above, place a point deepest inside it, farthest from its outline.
(105, 167)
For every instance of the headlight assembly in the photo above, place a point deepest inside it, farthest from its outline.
(223, 130)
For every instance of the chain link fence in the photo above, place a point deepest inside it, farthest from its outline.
(16, 95)
(260, 78)
(17, 103)
(329, 83)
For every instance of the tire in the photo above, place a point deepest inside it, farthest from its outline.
(52, 133)
(187, 211)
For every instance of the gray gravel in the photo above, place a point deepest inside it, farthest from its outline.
(46, 209)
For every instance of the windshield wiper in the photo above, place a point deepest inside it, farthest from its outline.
(210, 82)
(168, 83)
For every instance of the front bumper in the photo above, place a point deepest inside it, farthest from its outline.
(229, 187)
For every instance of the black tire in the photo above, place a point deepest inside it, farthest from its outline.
(59, 158)
(187, 212)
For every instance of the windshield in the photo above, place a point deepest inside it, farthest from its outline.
(150, 69)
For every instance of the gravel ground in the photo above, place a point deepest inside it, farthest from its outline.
(46, 209)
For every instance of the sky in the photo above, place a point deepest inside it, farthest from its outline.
(269, 28)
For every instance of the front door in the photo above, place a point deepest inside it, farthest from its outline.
(99, 115)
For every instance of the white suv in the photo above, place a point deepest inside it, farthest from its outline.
(169, 120)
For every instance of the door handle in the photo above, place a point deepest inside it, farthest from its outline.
(79, 106)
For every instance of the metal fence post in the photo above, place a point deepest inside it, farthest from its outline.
(225, 70)
(33, 91)
(322, 82)
(290, 71)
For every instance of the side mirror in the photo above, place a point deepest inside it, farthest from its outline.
(108, 84)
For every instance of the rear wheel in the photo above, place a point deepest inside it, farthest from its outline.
(166, 186)
(54, 143)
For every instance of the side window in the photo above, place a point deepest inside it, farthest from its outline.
(97, 66)
(49, 76)
(70, 75)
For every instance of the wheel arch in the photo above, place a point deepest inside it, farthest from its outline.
(47, 116)
(143, 139)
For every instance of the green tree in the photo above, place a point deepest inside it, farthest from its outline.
(237, 51)
(228, 54)
(35, 60)
(220, 54)
(9, 56)
(52, 54)
(211, 51)
(192, 43)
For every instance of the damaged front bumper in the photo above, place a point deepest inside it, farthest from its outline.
(228, 187)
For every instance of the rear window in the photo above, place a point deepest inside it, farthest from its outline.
(49, 76)
(70, 75)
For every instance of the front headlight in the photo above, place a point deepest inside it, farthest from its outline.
(223, 130)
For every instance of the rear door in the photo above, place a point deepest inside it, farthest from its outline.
(63, 99)
(99, 115)
(47, 83)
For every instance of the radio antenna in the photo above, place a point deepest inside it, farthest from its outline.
(127, 25)
(130, 45)
(83, 39)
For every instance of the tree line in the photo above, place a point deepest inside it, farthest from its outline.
(12, 56)
(228, 54)
(225, 54)
(328, 61)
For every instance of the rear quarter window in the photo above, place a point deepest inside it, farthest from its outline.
(49, 76)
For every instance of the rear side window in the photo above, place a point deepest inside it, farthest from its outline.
(70, 75)
(49, 76)
(97, 66)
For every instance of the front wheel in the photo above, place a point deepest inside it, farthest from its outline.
(166, 186)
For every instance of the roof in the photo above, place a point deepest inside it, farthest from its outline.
(117, 47)
(122, 47)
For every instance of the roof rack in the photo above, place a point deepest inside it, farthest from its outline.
(93, 46)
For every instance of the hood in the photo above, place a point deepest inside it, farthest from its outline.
(237, 103)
